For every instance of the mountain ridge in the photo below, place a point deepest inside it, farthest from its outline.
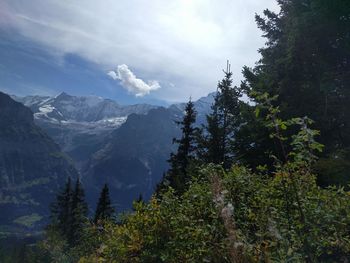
(32, 169)
(131, 155)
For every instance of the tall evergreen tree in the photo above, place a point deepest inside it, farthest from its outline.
(306, 62)
(104, 208)
(252, 143)
(210, 147)
(140, 199)
(79, 214)
(61, 210)
(217, 141)
(177, 175)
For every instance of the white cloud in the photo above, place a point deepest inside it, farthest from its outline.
(112, 74)
(131, 83)
(185, 42)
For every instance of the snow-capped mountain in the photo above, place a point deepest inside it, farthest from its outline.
(86, 109)
(93, 114)
(202, 106)
(125, 146)
(79, 124)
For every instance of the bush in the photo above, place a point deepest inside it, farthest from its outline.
(280, 217)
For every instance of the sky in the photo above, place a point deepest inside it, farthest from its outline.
(133, 51)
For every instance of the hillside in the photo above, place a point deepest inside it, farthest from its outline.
(32, 168)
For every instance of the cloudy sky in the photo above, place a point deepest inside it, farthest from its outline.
(133, 51)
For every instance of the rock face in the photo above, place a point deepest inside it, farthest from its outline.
(134, 160)
(80, 125)
(135, 157)
(65, 107)
(202, 106)
(32, 168)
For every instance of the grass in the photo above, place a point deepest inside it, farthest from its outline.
(28, 220)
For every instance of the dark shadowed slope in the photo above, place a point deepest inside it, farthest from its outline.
(135, 158)
(32, 167)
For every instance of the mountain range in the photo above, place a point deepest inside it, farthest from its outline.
(124, 146)
(79, 124)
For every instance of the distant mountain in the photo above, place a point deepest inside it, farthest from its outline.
(89, 109)
(32, 168)
(79, 124)
(124, 146)
(134, 159)
(202, 106)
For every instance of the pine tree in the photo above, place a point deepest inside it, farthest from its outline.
(216, 145)
(78, 214)
(179, 161)
(306, 62)
(104, 208)
(140, 199)
(162, 185)
(214, 150)
(61, 211)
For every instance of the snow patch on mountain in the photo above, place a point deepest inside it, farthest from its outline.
(44, 110)
(80, 124)
(87, 110)
(95, 127)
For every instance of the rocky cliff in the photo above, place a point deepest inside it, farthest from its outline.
(32, 168)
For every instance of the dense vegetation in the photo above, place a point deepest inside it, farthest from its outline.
(235, 214)
(306, 62)
(264, 181)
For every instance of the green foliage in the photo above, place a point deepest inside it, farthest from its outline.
(273, 211)
(68, 223)
(170, 229)
(334, 170)
(234, 215)
(104, 209)
(240, 215)
(306, 63)
(216, 142)
(265, 221)
(61, 210)
(78, 215)
(177, 176)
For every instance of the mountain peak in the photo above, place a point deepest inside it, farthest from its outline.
(63, 95)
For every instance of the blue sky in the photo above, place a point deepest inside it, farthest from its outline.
(28, 68)
(132, 51)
